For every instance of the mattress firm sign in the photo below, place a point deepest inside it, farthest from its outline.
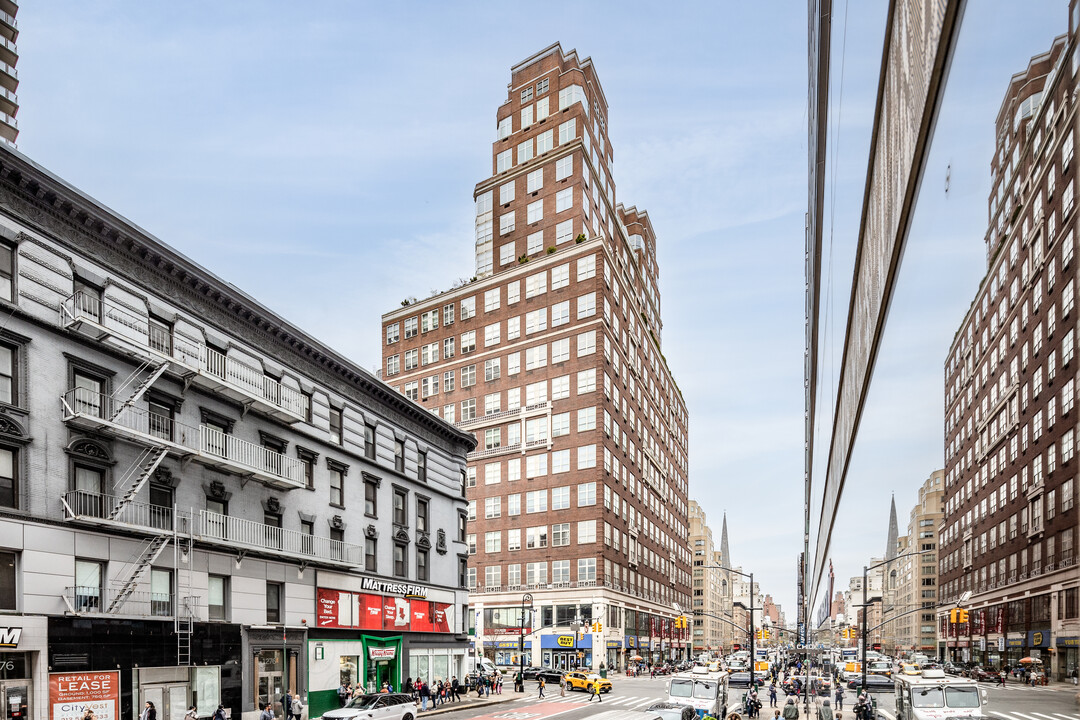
(393, 588)
(72, 694)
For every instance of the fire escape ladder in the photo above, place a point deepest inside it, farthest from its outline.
(144, 466)
(155, 372)
(185, 607)
(145, 559)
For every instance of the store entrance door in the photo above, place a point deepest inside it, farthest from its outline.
(383, 672)
(171, 701)
(15, 696)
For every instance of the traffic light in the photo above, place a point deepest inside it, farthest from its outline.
(952, 615)
(680, 623)
(597, 626)
(961, 616)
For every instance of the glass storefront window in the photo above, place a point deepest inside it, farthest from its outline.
(440, 667)
(418, 666)
(349, 670)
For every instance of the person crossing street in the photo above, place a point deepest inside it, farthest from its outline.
(594, 690)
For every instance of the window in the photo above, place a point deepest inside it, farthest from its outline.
(468, 408)
(410, 327)
(492, 507)
(536, 573)
(392, 333)
(9, 388)
(568, 132)
(525, 151)
(506, 193)
(88, 394)
(90, 484)
(468, 341)
(400, 508)
(7, 274)
(586, 381)
(560, 425)
(586, 570)
(505, 128)
(560, 571)
(586, 305)
(401, 560)
(371, 554)
(586, 343)
(88, 585)
(560, 312)
(273, 602)
(393, 365)
(160, 592)
(493, 542)
(560, 499)
(526, 116)
(545, 140)
(422, 515)
(9, 481)
(586, 268)
(586, 532)
(536, 537)
(429, 320)
(421, 564)
(535, 285)
(468, 308)
(536, 357)
(337, 487)
(586, 457)
(536, 501)
(534, 212)
(560, 352)
(335, 425)
(541, 88)
(536, 466)
(504, 161)
(586, 494)
(564, 199)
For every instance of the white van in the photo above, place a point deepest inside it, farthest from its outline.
(486, 667)
(935, 696)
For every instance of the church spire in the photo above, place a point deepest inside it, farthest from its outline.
(726, 557)
(894, 533)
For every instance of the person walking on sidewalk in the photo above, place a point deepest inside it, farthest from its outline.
(425, 693)
(825, 712)
(540, 687)
(455, 689)
(772, 695)
(791, 710)
(839, 697)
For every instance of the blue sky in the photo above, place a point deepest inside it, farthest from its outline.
(322, 157)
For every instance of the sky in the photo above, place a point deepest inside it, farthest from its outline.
(322, 158)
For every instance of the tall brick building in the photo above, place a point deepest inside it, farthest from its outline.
(916, 579)
(1010, 528)
(551, 355)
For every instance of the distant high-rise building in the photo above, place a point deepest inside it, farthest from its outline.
(708, 597)
(9, 76)
(1010, 525)
(552, 356)
(916, 577)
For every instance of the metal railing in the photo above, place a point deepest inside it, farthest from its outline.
(138, 330)
(237, 532)
(83, 504)
(95, 600)
(88, 404)
(249, 455)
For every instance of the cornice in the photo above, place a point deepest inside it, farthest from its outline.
(32, 195)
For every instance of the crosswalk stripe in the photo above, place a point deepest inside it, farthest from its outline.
(1048, 717)
(1026, 717)
(1068, 717)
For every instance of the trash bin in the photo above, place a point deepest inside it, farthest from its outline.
(603, 673)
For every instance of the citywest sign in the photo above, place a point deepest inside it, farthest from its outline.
(394, 588)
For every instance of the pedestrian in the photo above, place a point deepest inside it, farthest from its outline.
(839, 697)
(775, 715)
(425, 693)
(498, 684)
(191, 714)
(286, 704)
(297, 707)
(825, 711)
(791, 710)
(219, 714)
(343, 693)
(150, 712)
(408, 687)
(772, 695)
(1001, 677)
(455, 689)
(540, 687)
(267, 713)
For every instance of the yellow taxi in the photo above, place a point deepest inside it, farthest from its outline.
(910, 669)
(584, 681)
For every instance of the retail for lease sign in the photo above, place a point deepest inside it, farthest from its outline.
(72, 694)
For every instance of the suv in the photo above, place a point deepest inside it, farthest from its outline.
(381, 706)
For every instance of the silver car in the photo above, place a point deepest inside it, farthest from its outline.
(381, 706)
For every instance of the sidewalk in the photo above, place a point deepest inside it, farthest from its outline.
(471, 701)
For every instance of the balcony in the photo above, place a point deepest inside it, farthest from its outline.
(139, 604)
(114, 325)
(107, 510)
(88, 410)
(539, 408)
(249, 535)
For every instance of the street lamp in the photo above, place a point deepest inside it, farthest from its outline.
(526, 599)
(753, 657)
(866, 605)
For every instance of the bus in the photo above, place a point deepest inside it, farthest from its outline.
(706, 691)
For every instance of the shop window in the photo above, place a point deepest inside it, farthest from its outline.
(217, 594)
(8, 596)
(273, 602)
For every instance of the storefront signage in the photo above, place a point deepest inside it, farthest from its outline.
(10, 636)
(1038, 638)
(1001, 644)
(507, 644)
(566, 641)
(1014, 642)
(614, 644)
(631, 641)
(393, 588)
(1067, 642)
(382, 653)
(71, 694)
(345, 609)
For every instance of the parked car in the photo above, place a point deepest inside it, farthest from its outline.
(873, 682)
(673, 711)
(386, 706)
(739, 679)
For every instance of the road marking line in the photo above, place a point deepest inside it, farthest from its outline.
(1026, 717)
(1067, 717)
(1048, 717)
